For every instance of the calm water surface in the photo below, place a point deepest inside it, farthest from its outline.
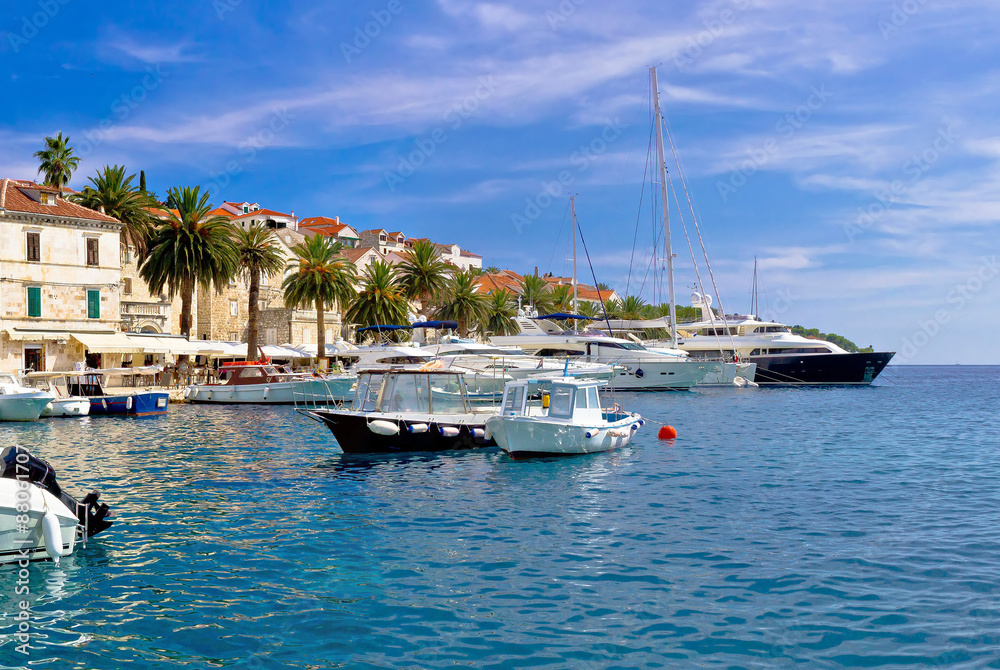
(784, 527)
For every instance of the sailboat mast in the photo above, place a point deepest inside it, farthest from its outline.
(753, 297)
(663, 199)
(572, 206)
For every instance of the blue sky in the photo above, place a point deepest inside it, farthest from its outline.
(852, 147)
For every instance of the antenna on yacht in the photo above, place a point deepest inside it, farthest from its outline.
(753, 289)
(665, 201)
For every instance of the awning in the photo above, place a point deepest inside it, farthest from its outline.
(167, 344)
(108, 343)
(27, 335)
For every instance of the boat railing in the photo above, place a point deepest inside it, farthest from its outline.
(312, 394)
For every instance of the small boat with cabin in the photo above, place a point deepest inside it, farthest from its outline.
(265, 383)
(568, 419)
(93, 384)
(405, 409)
(62, 404)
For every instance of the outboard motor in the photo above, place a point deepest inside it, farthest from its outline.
(92, 515)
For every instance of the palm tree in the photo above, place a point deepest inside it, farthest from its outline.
(112, 192)
(190, 248)
(535, 291)
(613, 308)
(604, 288)
(259, 255)
(57, 161)
(632, 307)
(382, 300)
(561, 298)
(320, 276)
(498, 315)
(465, 304)
(491, 270)
(423, 274)
(588, 309)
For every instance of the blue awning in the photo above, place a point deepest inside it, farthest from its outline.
(562, 317)
(439, 325)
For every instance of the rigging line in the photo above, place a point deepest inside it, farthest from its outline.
(697, 229)
(694, 262)
(652, 259)
(638, 215)
(558, 236)
(579, 229)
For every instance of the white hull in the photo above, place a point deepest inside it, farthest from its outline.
(23, 406)
(278, 393)
(67, 407)
(27, 541)
(663, 375)
(531, 435)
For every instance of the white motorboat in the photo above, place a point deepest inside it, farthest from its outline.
(641, 369)
(38, 520)
(568, 419)
(258, 382)
(62, 404)
(19, 402)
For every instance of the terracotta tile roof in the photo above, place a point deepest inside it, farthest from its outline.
(357, 253)
(324, 225)
(488, 283)
(469, 254)
(13, 198)
(219, 211)
(262, 212)
(375, 230)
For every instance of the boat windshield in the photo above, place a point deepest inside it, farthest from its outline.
(513, 402)
(407, 393)
(631, 346)
(366, 394)
(448, 395)
(561, 402)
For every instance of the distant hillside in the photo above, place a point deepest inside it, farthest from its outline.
(839, 340)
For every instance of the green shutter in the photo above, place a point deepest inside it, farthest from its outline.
(93, 304)
(34, 301)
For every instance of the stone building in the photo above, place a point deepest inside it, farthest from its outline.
(60, 276)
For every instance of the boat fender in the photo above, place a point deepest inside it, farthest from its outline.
(208, 395)
(592, 433)
(449, 431)
(128, 403)
(487, 433)
(53, 536)
(635, 426)
(546, 399)
(478, 432)
(267, 390)
(187, 392)
(104, 403)
(380, 427)
(417, 428)
(639, 373)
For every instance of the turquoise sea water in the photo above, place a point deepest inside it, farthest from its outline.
(783, 528)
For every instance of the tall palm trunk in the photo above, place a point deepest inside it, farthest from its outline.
(320, 335)
(252, 314)
(187, 293)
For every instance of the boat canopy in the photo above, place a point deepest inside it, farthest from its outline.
(561, 316)
(111, 342)
(437, 325)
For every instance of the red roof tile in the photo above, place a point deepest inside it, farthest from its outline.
(13, 198)
(262, 212)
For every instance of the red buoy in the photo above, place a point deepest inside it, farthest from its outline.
(667, 433)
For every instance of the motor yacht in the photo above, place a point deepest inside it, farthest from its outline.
(19, 402)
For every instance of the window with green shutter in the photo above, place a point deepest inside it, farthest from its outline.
(34, 301)
(93, 304)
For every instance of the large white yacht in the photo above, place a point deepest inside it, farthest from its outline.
(782, 357)
(640, 369)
